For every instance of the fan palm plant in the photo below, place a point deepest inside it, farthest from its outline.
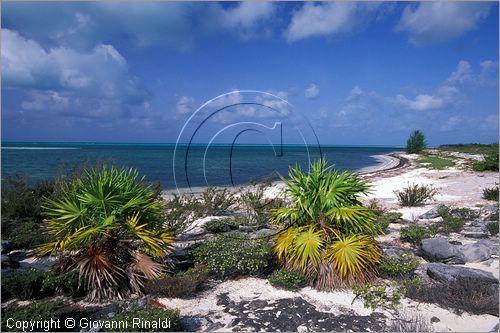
(108, 224)
(326, 233)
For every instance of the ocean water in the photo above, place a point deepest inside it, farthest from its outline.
(182, 166)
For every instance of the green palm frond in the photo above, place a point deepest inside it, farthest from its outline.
(284, 242)
(156, 244)
(102, 218)
(307, 247)
(353, 255)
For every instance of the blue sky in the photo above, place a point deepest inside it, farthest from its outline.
(361, 73)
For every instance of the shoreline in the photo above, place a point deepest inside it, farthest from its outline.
(387, 163)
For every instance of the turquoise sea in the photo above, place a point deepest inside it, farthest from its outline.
(193, 166)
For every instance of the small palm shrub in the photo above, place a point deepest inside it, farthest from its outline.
(108, 225)
(286, 279)
(398, 267)
(414, 234)
(233, 254)
(326, 233)
(415, 195)
(416, 142)
(491, 193)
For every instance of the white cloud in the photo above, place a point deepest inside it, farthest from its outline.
(99, 73)
(452, 123)
(489, 72)
(448, 93)
(462, 74)
(46, 100)
(432, 22)
(184, 105)
(328, 18)
(248, 14)
(312, 91)
(421, 102)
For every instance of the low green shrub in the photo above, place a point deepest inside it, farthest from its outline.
(493, 228)
(414, 234)
(491, 193)
(23, 233)
(258, 209)
(436, 162)
(490, 162)
(33, 311)
(415, 195)
(443, 211)
(401, 267)
(181, 211)
(152, 319)
(216, 201)
(63, 283)
(24, 285)
(286, 279)
(377, 296)
(375, 207)
(233, 254)
(451, 224)
(183, 284)
(37, 284)
(388, 218)
(461, 294)
(223, 225)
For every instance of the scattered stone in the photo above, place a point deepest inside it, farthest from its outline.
(435, 319)
(474, 232)
(193, 324)
(475, 252)
(431, 214)
(263, 232)
(440, 250)
(446, 273)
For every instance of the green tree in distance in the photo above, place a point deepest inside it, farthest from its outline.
(416, 142)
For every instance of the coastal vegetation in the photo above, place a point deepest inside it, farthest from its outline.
(436, 162)
(416, 142)
(415, 195)
(107, 224)
(326, 233)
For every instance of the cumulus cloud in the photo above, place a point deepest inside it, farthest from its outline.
(328, 18)
(185, 105)
(99, 73)
(312, 91)
(448, 93)
(421, 102)
(248, 18)
(429, 23)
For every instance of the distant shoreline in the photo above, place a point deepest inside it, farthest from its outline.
(388, 162)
